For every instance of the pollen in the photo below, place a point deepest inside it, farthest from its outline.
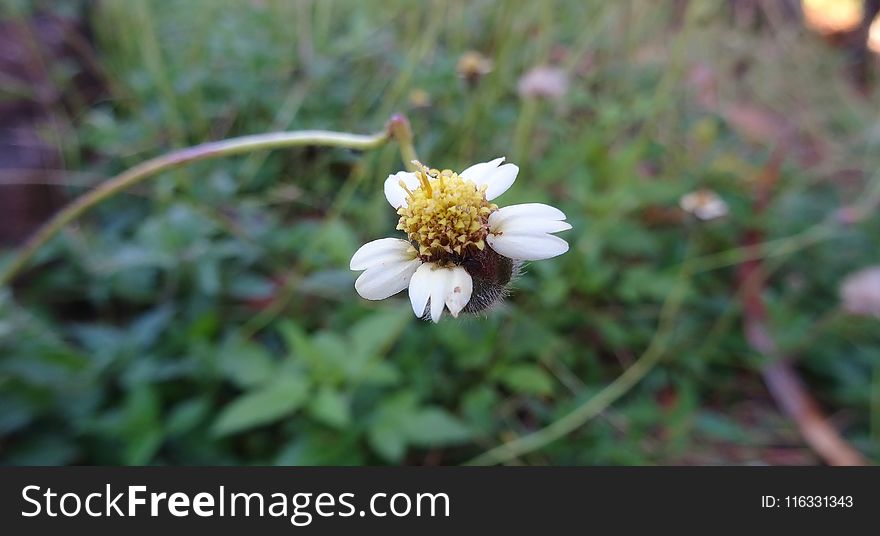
(446, 217)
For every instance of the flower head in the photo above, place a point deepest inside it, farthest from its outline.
(446, 215)
(472, 66)
(860, 292)
(704, 204)
(544, 82)
(462, 250)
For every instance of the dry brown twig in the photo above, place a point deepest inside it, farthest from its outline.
(779, 375)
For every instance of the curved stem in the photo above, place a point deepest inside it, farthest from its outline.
(154, 166)
(400, 128)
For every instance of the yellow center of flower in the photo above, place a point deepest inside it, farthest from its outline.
(446, 217)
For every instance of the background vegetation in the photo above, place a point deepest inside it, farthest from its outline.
(209, 316)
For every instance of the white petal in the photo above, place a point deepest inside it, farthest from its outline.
(381, 252)
(704, 204)
(475, 172)
(527, 247)
(420, 289)
(711, 210)
(522, 232)
(382, 281)
(441, 283)
(394, 193)
(527, 210)
(534, 226)
(501, 180)
(498, 178)
(459, 292)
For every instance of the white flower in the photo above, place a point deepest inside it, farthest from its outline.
(461, 250)
(704, 204)
(544, 82)
(860, 292)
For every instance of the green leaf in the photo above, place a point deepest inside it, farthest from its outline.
(149, 327)
(262, 406)
(645, 284)
(400, 422)
(336, 240)
(295, 338)
(16, 414)
(378, 373)
(327, 356)
(252, 287)
(478, 404)
(377, 332)
(369, 341)
(329, 346)
(431, 427)
(330, 407)
(44, 449)
(208, 276)
(143, 448)
(387, 441)
(140, 425)
(323, 447)
(386, 432)
(246, 364)
(186, 416)
(527, 379)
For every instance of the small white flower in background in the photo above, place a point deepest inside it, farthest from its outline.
(704, 204)
(544, 82)
(860, 292)
(462, 250)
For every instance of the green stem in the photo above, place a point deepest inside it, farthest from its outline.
(151, 168)
(400, 128)
(408, 154)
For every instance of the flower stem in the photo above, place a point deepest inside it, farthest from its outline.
(205, 151)
(400, 128)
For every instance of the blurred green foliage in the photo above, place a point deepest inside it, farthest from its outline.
(210, 317)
